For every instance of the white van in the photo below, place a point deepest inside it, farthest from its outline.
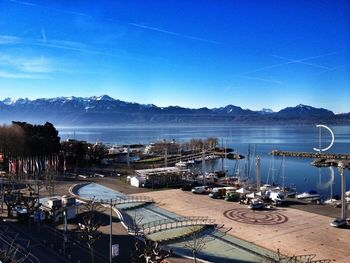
(199, 190)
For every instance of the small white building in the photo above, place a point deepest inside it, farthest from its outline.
(137, 181)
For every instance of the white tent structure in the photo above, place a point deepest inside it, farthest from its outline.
(243, 191)
(252, 195)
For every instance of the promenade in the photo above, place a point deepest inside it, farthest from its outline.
(292, 231)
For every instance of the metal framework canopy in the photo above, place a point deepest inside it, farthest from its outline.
(332, 141)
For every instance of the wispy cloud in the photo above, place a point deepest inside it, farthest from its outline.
(43, 34)
(26, 64)
(264, 80)
(43, 41)
(29, 4)
(16, 75)
(175, 33)
(6, 40)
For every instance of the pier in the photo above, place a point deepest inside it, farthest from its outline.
(341, 156)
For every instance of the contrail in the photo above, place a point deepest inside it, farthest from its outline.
(301, 61)
(265, 80)
(43, 34)
(46, 7)
(175, 34)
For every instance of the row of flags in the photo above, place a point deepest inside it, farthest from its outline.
(33, 165)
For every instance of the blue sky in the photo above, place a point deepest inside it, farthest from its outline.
(253, 54)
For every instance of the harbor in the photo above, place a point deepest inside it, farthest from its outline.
(246, 208)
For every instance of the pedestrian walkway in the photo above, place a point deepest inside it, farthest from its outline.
(296, 232)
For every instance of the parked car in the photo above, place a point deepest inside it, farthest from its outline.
(189, 186)
(200, 190)
(338, 222)
(232, 197)
(218, 193)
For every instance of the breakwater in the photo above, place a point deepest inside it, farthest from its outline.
(342, 156)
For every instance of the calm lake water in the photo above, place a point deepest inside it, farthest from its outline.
(298, 171)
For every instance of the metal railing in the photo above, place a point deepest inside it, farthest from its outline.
(127, 200)
(167, 224)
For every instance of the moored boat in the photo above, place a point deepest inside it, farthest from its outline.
(181, 164)
(308, 195)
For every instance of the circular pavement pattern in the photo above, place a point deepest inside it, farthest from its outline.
(255, 217)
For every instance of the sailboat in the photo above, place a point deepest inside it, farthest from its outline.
(332, 200)
(181, 164)
(267, 186)
(288, 191)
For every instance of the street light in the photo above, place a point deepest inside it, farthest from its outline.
(339, 222)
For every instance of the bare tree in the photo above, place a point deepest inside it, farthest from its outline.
(30, 202)
(149, 251)
(11, 199)
(90, 227)
(199, 238)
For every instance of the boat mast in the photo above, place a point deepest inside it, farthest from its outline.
(248, 161)
(273, 170)
(225, 160)
(222, 159)
(203, 167)
(257, 172)
(283, 166)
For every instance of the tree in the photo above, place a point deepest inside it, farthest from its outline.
(90, 227)
(149, 251)
(31, 203)
(198, 239)
(11, 199)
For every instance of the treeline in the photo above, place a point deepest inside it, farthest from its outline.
(194, 145)
(22, 139)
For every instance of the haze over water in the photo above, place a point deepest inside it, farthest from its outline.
(298, 171)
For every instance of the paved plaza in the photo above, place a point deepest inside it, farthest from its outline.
(292, 231)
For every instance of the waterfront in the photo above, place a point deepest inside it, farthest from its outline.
(298, 171)
(292, 231)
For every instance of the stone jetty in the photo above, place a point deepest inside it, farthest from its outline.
(338, 156)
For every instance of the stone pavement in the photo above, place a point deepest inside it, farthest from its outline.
(292, 231)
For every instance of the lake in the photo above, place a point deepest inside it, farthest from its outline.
(298, 171)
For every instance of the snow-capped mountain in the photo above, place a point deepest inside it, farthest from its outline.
(105, 110)
(266, 111)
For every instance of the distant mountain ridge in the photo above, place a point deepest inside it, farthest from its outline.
(105, 110)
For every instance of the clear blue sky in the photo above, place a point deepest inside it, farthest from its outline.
(253, 54)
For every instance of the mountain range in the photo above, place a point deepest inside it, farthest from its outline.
(104, 110)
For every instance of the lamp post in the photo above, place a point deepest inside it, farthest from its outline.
(341, 166)
(111, 233)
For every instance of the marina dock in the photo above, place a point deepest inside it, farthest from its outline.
(340, 156)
